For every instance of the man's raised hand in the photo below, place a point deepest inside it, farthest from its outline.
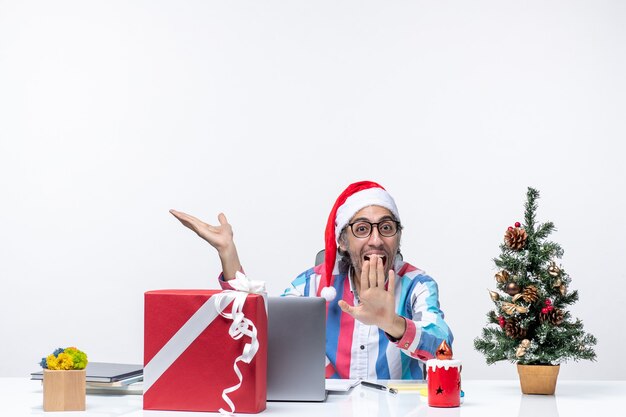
(220, 237)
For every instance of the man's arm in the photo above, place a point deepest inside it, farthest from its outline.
(220, 237)
(427, 329)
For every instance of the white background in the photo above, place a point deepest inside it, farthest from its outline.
(113, 112)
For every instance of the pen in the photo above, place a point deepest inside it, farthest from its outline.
(380, 387)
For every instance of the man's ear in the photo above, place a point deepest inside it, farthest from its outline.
(342, 246)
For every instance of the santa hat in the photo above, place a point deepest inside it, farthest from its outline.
(357, 196)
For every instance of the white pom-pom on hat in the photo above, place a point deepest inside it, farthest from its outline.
(329, 293)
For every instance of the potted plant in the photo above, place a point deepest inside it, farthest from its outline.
(530, 324)
(64, 380)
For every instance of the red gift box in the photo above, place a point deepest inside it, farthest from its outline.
(189, 353)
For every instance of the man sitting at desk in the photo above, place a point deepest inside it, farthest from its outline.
(383, 314)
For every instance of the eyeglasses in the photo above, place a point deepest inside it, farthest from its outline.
(362, 229)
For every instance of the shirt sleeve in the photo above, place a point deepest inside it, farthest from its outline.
(223, 283)
(425, 325)
(305, 284)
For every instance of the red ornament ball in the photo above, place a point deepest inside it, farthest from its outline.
(517, 224)
(548, 302)
(501, 321)
(544, 310)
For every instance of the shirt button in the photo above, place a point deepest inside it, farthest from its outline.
(406, 345)
(362, 347)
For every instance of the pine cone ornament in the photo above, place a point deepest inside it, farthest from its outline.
(530, 294)
(512, 329)
(551, 315)
(515, 238)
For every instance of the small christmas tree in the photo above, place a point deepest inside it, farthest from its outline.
(532, 325)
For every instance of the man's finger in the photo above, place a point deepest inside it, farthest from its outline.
(373, 270)
(222, 219)
(380, 273)
(391, 284)
(177, 214)
(346, 308)
(190, 221)
(184, 216)
(365, 272)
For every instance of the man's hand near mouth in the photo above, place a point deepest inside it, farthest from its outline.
(377, 299)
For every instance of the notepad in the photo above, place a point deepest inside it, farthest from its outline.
(341, 385)
(408, 385)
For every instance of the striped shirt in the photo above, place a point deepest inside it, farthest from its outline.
(355, 350)
(358, 351)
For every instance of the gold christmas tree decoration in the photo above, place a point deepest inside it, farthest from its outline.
(508, 308)
(511, 288)
(562, 288)
(502, 277)
(521, 349)
(554, 270)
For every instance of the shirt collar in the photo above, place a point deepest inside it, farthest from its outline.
(352, 286)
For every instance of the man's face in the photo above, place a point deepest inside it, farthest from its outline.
(360, 249)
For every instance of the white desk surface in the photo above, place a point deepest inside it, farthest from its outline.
(23, 397)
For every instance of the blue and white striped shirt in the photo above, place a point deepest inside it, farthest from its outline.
(358, 351)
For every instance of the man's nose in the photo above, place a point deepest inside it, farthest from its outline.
(375, 238)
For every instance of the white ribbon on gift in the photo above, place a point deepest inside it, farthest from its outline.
(245, 284)
(214, 306)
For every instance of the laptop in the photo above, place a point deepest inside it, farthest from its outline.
(296, 349)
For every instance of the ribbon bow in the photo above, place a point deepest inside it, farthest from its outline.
(241, 326)
(245, 284)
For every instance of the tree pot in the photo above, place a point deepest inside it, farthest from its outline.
(64, 390)
(538, 379)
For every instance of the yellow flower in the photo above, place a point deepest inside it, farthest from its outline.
(63, 361)
(52, 361)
